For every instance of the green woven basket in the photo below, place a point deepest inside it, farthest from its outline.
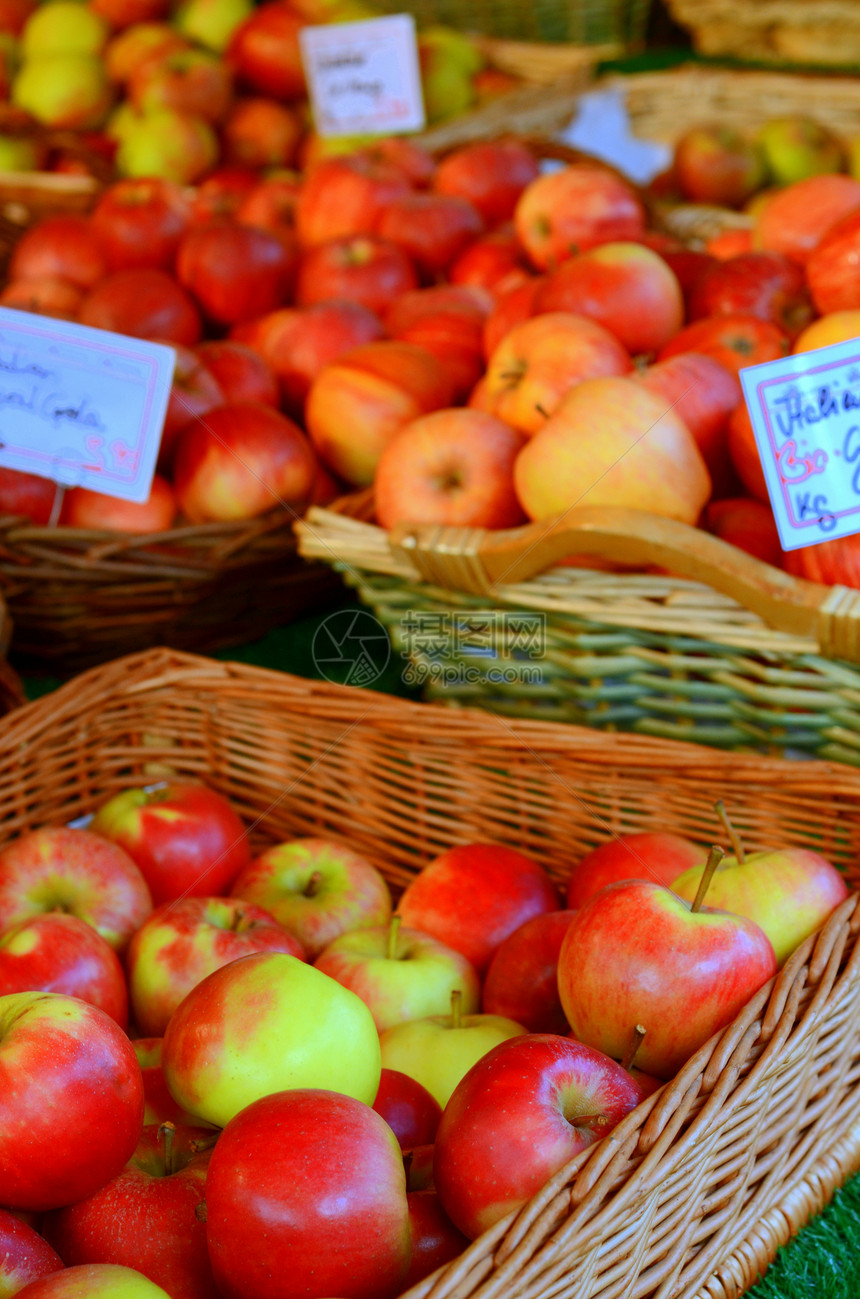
(577, 22)
(732, 653)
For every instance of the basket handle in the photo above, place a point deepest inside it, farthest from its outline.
(478, 561)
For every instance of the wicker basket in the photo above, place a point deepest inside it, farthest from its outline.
(620, 23)
(824, 33)
(78, 597)
(492, 619)
(694, 1191)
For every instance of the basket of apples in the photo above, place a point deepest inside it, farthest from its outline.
(596, 475)
(274, 1048)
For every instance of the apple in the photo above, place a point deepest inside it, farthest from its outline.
(24, 1255)
(494, 261)
(438, 1050)
(191, 81)
(346, 196)
(408, 1108)
(357, 404)
(435, 1239)
(797, 147)
(513, 306)
(84, 508)
(446, 320)
(240, 461)
(627, 288)
(221, 192)
(140, 221)
(240, 373)
(96, 1281)
(271, 203)
(447, 62)
(834, 327)
(565, 212)
(454, 467)
(832, 269)
(637, 953)
(830, 562)
(744, 453)
(63, 91)
(329, 1172)
(474, 895)
(14, 14)
(166, 142)
(150, 1217)
(28, 495)
(748, 524)
(160, 1107)
(183, 941)
(184, 837)
(716, 164)
(316, 889)
(517, 1117)
(260, 133)
(75, 871)
(211, 23)
(736, 340)
(18, 153)
(431, 228)
(264, 1023)
(71, 1099)
(400, 973)
(763, 284)
(194, 391)
(55, 952)
(489, 174)
(120, 14)
(611, 442)
(360, 268)
(788, 892)
(62, 27)
(145, 303)
(66, 246)
(263, 50)
(794, 219)
(133, 45)
(521, 982)
(235, 272)
(648, 854)
(47, 296)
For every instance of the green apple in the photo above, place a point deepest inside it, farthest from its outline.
(401, 974)
(175, 146)
(797, 147)
(17, 153)
(267, 1023)
(64, 90)
(439, 1050)
(63, 27)
(448, 61)
(96, 1281)
(211, 23)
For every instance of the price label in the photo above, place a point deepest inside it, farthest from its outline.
(805, 413)
(81, 406)
(363, 78)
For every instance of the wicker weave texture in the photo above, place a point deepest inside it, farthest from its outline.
(692, 1193)
(823, 32)
(578, 22)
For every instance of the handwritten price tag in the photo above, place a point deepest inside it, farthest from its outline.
(81, 406)
(363, 77)
(805, 413)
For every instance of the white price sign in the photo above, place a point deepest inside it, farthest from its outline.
(81, 406)
(363, 78)
(805, 413)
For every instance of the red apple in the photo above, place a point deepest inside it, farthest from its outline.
(55, 952)
(447, 320)
(264, 51)
(454, 467)
(71, 1099)
(435, 1239)
(235, 272)
(625, 287)
(74, 871)
(140, 222)
(28, 495)
(317, 889)
(565, 212)
(761, 284)
(358, 268)
(84, 508)
(47, 295)
(127, 13)
(473, 896)
(432, 229)
(190, 81)
(635, 953)
(346, 196)
(184, 837)
(745, 457)
(716, 164)
(521, 982)
(795, 219)
(490, 174)
(647, 855)
(289, 1158)
(186, 939)
(150, 1217)
(494, 261)
(734, 340)
(193, 392)
(96, 1281)
(271, 204)
(747, 524)
(65, 246)
(833, 267)
(221, 193)
(240, 461)
(260, 133)
(408, 1108)
(24, 1255)
(145, 303)
(240, 373)
(141, 41)
(513, 306)
(160, 1105)
(517, 1117)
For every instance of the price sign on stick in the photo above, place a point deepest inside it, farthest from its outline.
(805, 413)
(81, 406)
(363, 78)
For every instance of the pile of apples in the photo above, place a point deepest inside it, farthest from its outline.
(251, 1076)
(483, 340)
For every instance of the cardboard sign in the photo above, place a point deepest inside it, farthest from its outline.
(805, 412)
(81, 406)
(363, 78)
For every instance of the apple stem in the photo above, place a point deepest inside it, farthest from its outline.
(393, 932)
(636, 1040)
(590, 1120)
(715, 856)
(541, 410)
(456, 1005)
(734, 838)
(204, 1143)
(313, 884)
(166, 1133)
(238, 922)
